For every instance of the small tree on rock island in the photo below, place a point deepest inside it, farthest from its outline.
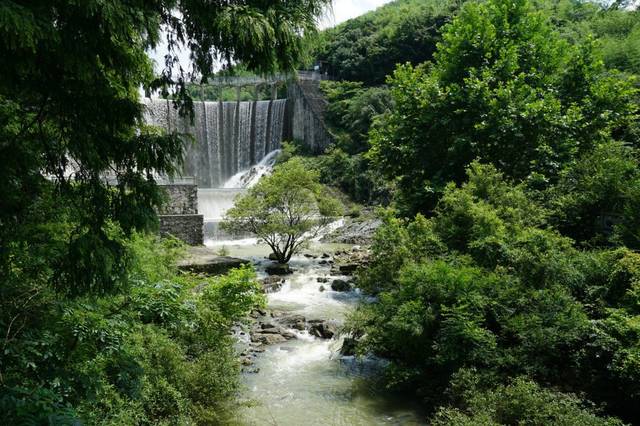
(285, 209)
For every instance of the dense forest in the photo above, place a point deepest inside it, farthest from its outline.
(98, 326)
(504, 151)
(496, 140)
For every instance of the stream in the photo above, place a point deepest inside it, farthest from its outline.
(305, 381)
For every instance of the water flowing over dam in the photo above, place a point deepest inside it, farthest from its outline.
(230, 145)
(228, 137)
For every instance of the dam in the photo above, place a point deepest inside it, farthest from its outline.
(230, 144)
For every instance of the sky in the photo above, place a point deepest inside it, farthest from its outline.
(341, 11)
(347, 9)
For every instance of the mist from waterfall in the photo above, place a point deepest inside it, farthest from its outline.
(248, 178)
(228, 137)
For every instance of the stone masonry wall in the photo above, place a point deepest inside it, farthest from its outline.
(186, 227)
(305, 106)
(181, 199)
(179, 215)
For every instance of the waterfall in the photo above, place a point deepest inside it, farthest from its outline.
(226, 137)
(248, 178)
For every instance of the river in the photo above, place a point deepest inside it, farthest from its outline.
(305, 381)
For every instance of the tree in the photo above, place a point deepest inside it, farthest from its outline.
(368, 47)
(505, 88)
(70, 110)
(285, 209)
(486, 284)
(70, 114)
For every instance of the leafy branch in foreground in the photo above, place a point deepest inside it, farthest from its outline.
(285, 210)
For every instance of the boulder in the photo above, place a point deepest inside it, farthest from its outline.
(272, 256)
(354, 231)
(278, 269)
(340, 285)
(324, 329)
(271, 330)
(321, 289)
(348, 269)
(266, 325)
(322, 279)
(268, 339)
(295, 321)
(272, 284)
(203, 260)
(288, 335)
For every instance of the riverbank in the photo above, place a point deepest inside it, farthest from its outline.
(301, 378)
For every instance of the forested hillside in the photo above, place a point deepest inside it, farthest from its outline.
(367, 48)
(506, 271)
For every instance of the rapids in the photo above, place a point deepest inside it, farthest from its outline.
(306, 381)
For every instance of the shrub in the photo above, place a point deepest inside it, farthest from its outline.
(520, 402)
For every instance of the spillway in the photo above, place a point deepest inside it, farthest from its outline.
(226, 137)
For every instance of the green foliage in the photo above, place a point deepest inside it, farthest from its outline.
(617, 29)
(158, 353)
(487, 284)
(505, 88)
(368, 48)
(97, 323)
(596, 199)
(351, 111)
(285, 209)
(71, 115)
(521, 402)
(354, 175)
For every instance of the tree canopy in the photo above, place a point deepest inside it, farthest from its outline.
(285, 209)
(86, 336)
(505, 88)
(70, 110)
(368, 47)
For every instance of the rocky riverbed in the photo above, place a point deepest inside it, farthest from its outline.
(295, 373)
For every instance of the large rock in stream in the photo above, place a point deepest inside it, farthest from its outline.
(203, 260)
(324, 329)
(340, 285)
(272, 283)
(354, 231)
(276, 268)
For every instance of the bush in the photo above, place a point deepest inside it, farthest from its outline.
(597, 199)
(486, 283)
(138, 357)
(520, 402)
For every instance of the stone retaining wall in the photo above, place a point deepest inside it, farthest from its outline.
(181, 199)
(305, 110)
(179, 215)
(186, 227)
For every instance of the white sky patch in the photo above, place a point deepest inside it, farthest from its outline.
(346, 9)
(341, 11)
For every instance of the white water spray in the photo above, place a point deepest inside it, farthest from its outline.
(250, 177)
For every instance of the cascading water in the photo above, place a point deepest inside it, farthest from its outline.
(233, 144)
(248, 178)
(304, 380)
(214, 202)
(228, 137)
